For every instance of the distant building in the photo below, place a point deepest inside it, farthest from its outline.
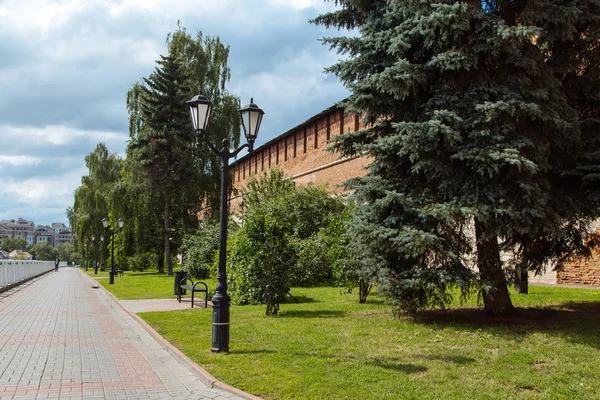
(20, 229)
(44, 234)
(4, 232)
(61, 234)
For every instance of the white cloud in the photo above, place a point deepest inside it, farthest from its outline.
(58, 134)
(66, 67)
(19, 161)
(48, 191)
(38, 15)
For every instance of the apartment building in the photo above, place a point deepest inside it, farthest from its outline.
(20, 229)
(23, 229)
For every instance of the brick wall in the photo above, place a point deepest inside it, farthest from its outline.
(301, 153)
(585, 271)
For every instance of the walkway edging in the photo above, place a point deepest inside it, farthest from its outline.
(197, 370)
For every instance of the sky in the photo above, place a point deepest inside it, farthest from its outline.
(66, 66)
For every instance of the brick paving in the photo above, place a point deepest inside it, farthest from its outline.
(62, 339)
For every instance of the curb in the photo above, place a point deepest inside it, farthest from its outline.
(197, 370)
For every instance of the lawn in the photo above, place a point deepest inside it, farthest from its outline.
(140, 285)
(331, 347)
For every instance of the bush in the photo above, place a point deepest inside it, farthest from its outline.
(281, 225)
(199, 250)
(313, 266)
(141, 262)
(262, 257)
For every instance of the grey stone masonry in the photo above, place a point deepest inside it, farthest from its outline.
(62, 339)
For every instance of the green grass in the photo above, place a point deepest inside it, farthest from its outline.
(140, 285)
(331, 347)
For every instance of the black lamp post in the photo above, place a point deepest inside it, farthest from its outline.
(111, 233)
(97, 244)
(200, 108)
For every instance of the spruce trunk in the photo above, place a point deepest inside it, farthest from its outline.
(521, 278)
(496, 299)
(160, 259)
(167, 234)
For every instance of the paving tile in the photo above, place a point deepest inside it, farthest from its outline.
(61, 339)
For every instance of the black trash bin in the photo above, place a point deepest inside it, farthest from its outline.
(178, 277)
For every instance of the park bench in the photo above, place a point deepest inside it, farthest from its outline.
(193, 287)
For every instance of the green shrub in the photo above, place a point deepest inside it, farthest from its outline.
(313, 266)
(281, 225)
(200, 248)
(141, 262)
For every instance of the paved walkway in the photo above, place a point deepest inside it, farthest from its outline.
(62, 339)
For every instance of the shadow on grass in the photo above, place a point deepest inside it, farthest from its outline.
(396, 365)
(577, 322)
(390, 363)
(311, 314)
(261, 351)
(142, 273)
(459, 360)
(299, 300)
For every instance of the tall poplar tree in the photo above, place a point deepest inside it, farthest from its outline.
(473, 139)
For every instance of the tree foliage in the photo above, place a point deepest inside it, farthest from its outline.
(66, 252)
(43, 251)
(199, 249)
(280, 224)
(474, 114)
(10, 244)
(93, 201)
(163, 158)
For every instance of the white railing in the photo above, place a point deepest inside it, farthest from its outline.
(12, 271)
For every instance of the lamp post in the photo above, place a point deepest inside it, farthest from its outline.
(111, 233)
(200, 109)
(97, 244)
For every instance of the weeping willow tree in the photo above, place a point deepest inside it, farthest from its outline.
(92, 201)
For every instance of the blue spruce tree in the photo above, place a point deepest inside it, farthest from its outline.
(474, 138)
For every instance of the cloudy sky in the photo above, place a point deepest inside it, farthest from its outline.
(66, 66)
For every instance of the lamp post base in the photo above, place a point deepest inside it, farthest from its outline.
(220, 327)
(111, 277)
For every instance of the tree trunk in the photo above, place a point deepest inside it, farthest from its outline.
(363, 290)
(160, 259)
(521, 278)
(167, 234)
(496, 299)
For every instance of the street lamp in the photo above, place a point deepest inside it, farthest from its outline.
(111, 233)
(97, 244)
(251, 115)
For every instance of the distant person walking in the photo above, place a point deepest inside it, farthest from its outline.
(56, 264)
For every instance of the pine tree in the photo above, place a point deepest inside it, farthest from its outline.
(472, 139)
(163, 146)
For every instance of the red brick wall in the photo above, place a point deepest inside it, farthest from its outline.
(583, 271)
(302, 154)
